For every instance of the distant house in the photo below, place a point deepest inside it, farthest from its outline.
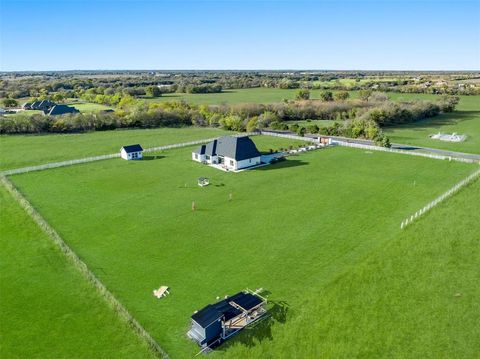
(34, 105)
(61, 110)
(44, 105)
(27, 106)
(132, 152)
(2, 111)
(230, 153)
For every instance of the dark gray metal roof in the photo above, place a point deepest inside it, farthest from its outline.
(211, 148)
(238, 148)
(200, 150)
(133, 148)
(62, 109)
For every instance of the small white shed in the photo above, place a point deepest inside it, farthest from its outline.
(131, 152)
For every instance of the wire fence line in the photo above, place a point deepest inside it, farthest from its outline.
(109, 156)
(440, 198)
(404, 152)
(73, 258)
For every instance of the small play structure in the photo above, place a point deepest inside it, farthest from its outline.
(203, 181)
(161, 292)
(217, 322)
(454, 137)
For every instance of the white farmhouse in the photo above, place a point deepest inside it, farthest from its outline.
(132, 152)
(230, 153)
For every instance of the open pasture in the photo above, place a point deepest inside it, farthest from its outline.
(250, 95)
(27, 150)
(465, 120)
(415, 296)
(89, 107)
(265, 96)
(47, 309)
(292, 228)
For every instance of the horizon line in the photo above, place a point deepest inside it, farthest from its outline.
(245, 69)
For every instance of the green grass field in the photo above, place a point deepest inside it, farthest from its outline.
(465, 120)
(295, 228)
(415, 297)
(264, 95)
(27, 150)
(47, 309)
(252, 95)
(89, 107)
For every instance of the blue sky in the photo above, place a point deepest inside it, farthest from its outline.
(228, 34)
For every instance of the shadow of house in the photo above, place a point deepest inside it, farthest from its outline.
(285, 163)
(262, 331)
(152, 157)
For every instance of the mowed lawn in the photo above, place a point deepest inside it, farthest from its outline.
(26, 150)
(47, 309)
(293, 228)
(465, 120)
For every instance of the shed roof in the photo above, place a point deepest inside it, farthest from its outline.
(223, 309)
(133, 148)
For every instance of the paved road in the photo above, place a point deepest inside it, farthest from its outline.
(399, 146)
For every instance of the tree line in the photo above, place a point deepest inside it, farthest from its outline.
(360, 118)
(137, 83)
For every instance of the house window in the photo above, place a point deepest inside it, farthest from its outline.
(231, 162)
(207, 157)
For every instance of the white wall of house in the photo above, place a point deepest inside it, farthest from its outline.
(248, 162)
(231, 164)
(131, 155)
(211, 159)
(198, 157)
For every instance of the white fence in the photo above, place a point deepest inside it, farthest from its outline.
(289, 136)
(106, 157)
(58, 164)
(198, 142)
(411, 153)
(439, 199)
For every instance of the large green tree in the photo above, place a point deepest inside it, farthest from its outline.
(153, 91)
(326, 95)
(303, 94)
(10, 102)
